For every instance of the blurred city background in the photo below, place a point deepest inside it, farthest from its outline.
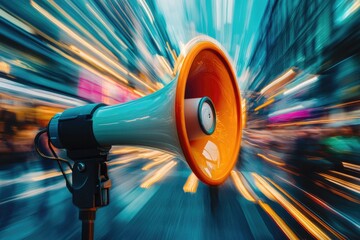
(297, 64)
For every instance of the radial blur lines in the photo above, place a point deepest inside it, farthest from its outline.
(355, 187)
(159, 174)
(157, 161)
(295, 212)
(277, 163)
(279, 221)
(297, 66)
(352, 166)
(239, 182)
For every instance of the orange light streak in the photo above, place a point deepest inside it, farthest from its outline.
(238, 181)
(283, 226)
(345, 175)
(321, 121)
(267, 103)
(351, 166)
(4, 67)
(337, 192)
(304, 209)
(345, 184)
(139, 93)
(246, 191)
(124, 160)
(344, 104)
(124, 150)
(93, 60)
(270, 160)
(316, 199)
(87, 67)
(158, 175)
(289, 171)
(264, 190)
(156, 162)
(297, 214)
(75, 36)
(79, 26)
(191, 184)
(287, 76)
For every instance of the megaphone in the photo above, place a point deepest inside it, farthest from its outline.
(197, 115)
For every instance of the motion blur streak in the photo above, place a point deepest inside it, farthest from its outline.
(306, 222)
(305, 210)
(325, 205)
(16, 21)
(298, 68)
(340, 182)
(83, 42)
(260, 185)
(286, 77)
(49, 175)
(156, 162)
(287, 230)
(270, 160)
(265, 104)
(238, 181)
(191, 184)
(40, 94)
(301, 85)
(338, 192)
(158, 174)
(352, 166)
(346, 175)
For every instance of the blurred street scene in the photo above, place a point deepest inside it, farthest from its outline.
(298, 69)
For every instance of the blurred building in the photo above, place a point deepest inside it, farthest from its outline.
(304, 43)
(294, 36)
(342, 53)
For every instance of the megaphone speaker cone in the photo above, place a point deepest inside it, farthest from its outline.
(206, 71)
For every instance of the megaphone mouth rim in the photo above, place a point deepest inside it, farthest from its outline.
(187, 62)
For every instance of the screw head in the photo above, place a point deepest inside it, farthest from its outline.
(81, 167)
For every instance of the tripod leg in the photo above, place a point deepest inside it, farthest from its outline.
(87, 216)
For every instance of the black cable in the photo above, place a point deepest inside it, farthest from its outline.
(36, 141)
(59, 160)
(68, 184)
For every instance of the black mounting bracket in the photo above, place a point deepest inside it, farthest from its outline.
(90, 185)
